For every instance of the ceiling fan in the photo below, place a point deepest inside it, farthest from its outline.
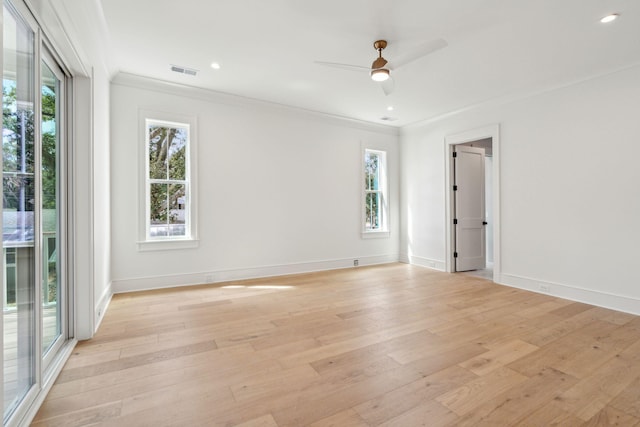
(380, 70)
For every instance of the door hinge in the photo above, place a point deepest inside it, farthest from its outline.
(455, 154)
(455, 254)
(455, 188)
(455, 221)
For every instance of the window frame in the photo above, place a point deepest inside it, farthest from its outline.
(146, 242)
(383, 190)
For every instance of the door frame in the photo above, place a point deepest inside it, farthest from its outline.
(48, 57)
(493, 132)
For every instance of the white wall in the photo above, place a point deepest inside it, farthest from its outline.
(279, 189)
(569, 178)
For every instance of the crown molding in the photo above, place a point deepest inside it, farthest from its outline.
(515, 97)
(208, 95)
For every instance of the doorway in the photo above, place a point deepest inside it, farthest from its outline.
(472, 212)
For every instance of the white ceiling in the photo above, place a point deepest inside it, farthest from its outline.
(497, 49)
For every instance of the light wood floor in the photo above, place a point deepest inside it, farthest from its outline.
(392, 345)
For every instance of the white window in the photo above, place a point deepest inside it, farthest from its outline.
(169, 202)
(375, 193)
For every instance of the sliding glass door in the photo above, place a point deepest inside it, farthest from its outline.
(18, 208)
(34, 292)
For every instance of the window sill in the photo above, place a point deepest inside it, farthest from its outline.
(376, 234)
(165, 245)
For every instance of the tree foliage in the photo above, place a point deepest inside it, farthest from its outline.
(372, 198)
(49, 149)
(167, 164)
(18, 151)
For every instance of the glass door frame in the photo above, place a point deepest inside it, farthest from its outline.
(47, 57)
(18, 409)
(45, 367)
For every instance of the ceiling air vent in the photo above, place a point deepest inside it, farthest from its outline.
(389, 119)
(184, 70)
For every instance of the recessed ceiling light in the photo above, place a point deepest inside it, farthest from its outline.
(390, 108)
(610, 18)
(215, 65)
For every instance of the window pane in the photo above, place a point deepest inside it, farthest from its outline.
(159, 141)
(18, 202)
(372, 211)
(177, 154)
(177, 203)
(168, 210)
(158, 209)
(176, 230)
(371, 172)
(159, 230)
(18, 97)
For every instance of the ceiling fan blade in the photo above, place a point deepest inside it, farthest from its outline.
(388, 86)
(343, 66)
(418, 53)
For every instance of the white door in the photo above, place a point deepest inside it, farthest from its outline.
(469, 213)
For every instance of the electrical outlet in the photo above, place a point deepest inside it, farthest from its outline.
(545, 288)
(355, 262)
(208, 279)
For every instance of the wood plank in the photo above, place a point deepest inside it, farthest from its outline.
(264, 421)
(571, 310)
(427, 414)
(474, 393)
(552, 416)
(81, 417)
(266, 384)
(403, 399)
(133, 361)
(518, 403)
(498, 357)
(348, 418)
(557, 330)
(629, 399)
(593, 393)
(444, 357)
(345, 397)
(609, 416)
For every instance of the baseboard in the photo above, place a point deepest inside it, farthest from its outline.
(423, 262)
(171, 281)
(587, 296)
(102, 305)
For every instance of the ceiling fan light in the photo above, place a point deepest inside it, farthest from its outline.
(380, 75)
